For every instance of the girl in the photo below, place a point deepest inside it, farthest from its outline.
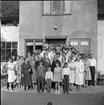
(34, 75)
(11, 73)
(71, 66)
(65, 77)
(79, 71)
(87, 71)
(18, 70)
(57, 78)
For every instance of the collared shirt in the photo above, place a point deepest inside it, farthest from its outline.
(92, 62)
(65, 71)
(49, 75)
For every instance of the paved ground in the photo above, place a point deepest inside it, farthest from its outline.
(88, 96)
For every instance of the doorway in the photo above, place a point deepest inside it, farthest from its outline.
(38, 47)
(55, 42)
(29, 47)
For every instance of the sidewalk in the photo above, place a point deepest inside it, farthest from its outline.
(88, 90)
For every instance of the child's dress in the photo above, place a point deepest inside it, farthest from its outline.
(11, 72)
(71, 66)
(87, 70)
(57, 74)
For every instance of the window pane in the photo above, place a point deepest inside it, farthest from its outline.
(2, 55)
(14, 52)
(57, 7)
(2, 44)
(8, 54)
(67, 7)
(14, 44)
(8, 45)
(46, 7)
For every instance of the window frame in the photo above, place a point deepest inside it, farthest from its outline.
(11, 48)
(51, 8)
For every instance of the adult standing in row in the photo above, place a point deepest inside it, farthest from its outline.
(92, 69)
(25, 70)
(79, 73)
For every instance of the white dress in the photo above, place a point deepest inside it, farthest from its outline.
(79, 73)
(72, 70)
(11, 72)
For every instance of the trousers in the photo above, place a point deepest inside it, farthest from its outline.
(49, 82)
(66, 83)
(92, 70)
(40, 84)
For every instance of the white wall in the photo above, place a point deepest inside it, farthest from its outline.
(9, 33)
(101, 46)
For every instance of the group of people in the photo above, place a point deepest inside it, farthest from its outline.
(54, 67)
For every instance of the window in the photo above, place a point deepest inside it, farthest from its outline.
(59, 7)
(8, 49)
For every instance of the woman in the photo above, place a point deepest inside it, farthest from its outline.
(79, 71)
(57, 78)
(18, 70)
(21, 62)
(87, 71)
(25, 70)
(11, 73)
(63, 61)
(71, 66)
(34, 74)
(29, 57)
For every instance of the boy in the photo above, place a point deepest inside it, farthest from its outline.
(65, 77)
(40, 75)
(49, 79)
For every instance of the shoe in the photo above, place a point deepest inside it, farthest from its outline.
(55, 91)
(58, 91)
(67, 92)
(42, 91)
(63, 92)
(11, 90)
(38, 91)
(71, 90)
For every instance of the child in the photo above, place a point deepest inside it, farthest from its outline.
(65, 77)
(57, 78)
(11, 74)
(71, 65)
(49, 79)
(41, 76)
(87, 71)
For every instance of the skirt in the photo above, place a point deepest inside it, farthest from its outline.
(11, 76)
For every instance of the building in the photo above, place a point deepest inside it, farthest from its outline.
(74, 22)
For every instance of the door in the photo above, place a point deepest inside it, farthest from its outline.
(74, 43)
(29, 47)
(84, 46)
(38, 45)
(81, 44)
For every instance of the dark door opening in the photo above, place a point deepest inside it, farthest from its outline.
(55, 41)
(38, 47)
(29, 49)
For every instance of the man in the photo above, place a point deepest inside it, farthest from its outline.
(92, 69)
(41, 76)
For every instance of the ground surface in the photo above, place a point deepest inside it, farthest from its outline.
(88, 96)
